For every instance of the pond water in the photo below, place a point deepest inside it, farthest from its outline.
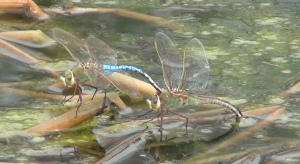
(253, 48)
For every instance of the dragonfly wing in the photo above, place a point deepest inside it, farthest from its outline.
(100, 53)
(96, 79)
(124, 83)
(195, 67)
(170, 59)
(73, 45)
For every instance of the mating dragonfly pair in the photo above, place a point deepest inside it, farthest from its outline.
(184, 75)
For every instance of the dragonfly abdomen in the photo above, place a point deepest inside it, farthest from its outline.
(108, 68)
(223, 103)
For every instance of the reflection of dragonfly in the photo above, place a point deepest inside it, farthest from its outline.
(184, 75)
(97, 65)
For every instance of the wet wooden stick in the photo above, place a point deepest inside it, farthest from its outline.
(13, 4)
(120, 12)
(32, 9)
(67, 120)
(35, 11)
(29, 36)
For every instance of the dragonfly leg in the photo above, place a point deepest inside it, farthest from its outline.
(96, 89)
(187, 120)
(161, 120)
(64, 100)
(156, 115)
(77, 87)
(73, 94)
(104, 102)
(143, 114)
(79, 98)
(69, 98)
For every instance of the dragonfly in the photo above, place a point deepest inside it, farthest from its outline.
(97, 64)
(185, 77)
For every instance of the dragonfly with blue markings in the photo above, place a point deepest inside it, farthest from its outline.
(185, 76)
(97, 66)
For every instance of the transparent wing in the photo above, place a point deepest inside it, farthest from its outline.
(170, 59)
(102, 54)
(124, 83)
(195, 67)
(96, 79)
(73, 45)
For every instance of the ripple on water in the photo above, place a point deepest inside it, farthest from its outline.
(205, 33)
(217, 32)
(271, 21)
(294, 47)
(269, 48)
(286, 71)
(247, 122)
(265, 4)
(295, 55)
(276, 100)
(257, 54)
(206, 130)
(296, 42)
(258, 136)
(213, 52)
(279, 60)
(36, 139)
(239, 41)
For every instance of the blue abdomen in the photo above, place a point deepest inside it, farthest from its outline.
(120, 67)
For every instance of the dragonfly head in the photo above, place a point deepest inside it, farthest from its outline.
(154, 105)
(68, 79)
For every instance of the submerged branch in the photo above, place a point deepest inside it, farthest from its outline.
(14, 52)
(278, 112)
(120, 12)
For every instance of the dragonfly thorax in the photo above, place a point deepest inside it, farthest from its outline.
(165, 95)
(174, 90)
(89, 66)
(176, 99)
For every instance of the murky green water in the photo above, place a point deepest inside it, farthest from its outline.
(253, 47)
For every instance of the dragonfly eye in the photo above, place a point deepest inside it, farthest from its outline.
(154, 99)
(155, 103)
